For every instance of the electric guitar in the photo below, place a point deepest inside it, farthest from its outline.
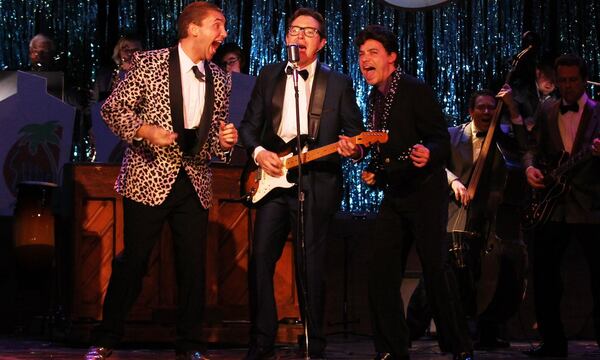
(544, 200)
(256, 183)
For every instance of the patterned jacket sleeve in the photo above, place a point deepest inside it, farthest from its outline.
(221, 111)
(119, 110)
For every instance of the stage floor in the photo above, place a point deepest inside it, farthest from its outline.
(339, 348)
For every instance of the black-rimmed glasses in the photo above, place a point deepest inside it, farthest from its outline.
(308, 31)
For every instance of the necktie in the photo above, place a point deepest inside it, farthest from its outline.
(574, 107)
(197, 73)
(304, 73)
(481, 134)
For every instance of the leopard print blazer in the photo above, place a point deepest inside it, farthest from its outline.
(148, 171)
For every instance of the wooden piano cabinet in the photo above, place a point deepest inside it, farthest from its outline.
(97, 233)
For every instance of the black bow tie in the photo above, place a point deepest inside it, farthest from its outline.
(480, 134)
(304, 73)
(574, 107)
(197, 73)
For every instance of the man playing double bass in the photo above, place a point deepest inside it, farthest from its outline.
(568, 126)
(472, 227)
(483, 250)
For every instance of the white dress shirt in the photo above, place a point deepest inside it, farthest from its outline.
(287, 127)
(192, 89)
(568, 123)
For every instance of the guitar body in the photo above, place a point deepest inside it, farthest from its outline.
(255, 183)
(258, 183)
(542, 204)
(544, 201)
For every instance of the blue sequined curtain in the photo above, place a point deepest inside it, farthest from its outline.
(463, 46)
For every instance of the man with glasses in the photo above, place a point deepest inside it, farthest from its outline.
(269, 122)
(230, 57)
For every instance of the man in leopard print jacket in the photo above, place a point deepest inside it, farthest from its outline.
(171, 109)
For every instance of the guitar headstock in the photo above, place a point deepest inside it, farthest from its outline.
(369, 138)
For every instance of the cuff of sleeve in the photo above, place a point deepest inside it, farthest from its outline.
(256, 151)
(451, 177)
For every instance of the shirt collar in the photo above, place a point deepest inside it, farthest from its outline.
(310, 68)
(474, 129)
(185, 63)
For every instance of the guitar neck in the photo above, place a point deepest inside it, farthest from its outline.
(571, 163)
(313, 154)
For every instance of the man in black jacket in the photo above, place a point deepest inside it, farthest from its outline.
(415, 203)
(327, 110)
(568, 126)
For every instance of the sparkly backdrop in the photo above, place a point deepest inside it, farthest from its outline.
(456, 48)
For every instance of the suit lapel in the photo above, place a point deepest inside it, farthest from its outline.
(586, 117)
(278, 95)
(207, 113)
(553, 128)
(175, 94)
(466, 148)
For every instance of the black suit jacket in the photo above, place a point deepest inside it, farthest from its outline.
(581, 203)
(340, 115)
(415, 117)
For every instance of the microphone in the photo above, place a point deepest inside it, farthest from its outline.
(293, 53)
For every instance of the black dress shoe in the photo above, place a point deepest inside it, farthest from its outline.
(490, 344)
(545, 350)
(260, 353)
(98, 353)
(190, 355)
(466, 355)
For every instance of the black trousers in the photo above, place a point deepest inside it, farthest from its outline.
(274, 220)
(550, 243)
(418, 218)
(142, 229)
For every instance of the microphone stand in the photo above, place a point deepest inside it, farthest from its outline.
(300, 236)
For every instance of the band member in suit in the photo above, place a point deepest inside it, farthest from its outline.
(565, 126)
(495, 259)
(170, 109)
(270, 120)
(415, 204)
(477, 217)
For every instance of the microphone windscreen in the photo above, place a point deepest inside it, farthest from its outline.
(293, 53)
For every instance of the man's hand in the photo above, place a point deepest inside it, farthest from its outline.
(506, 95)
(535, 178)
(460, 192)
(347, 148)
(156, 135)
(419, 155)
(228, 135)
(596, 147)
(368, 177)
(270, 162)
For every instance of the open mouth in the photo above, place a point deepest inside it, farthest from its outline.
(367, 70)
(215, 44)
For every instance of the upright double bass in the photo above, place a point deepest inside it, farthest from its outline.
(475, 248)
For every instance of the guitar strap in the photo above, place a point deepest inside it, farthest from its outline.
(317, 98)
